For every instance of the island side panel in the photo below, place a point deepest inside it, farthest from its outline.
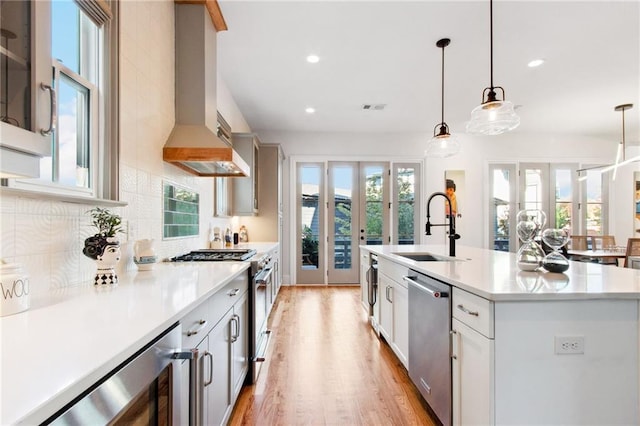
(535, 385)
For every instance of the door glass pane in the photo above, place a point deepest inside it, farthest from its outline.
(310, 214)
(374, 192)
(594, 203)
(533, 189)
(563, 199)
(343, 220)
(406, 193)
(500, 209)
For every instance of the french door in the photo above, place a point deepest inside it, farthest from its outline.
(550, 187)
(357, 212)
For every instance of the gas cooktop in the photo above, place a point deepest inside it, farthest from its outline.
(215, 255)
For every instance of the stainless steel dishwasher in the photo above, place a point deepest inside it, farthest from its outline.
(429, 347)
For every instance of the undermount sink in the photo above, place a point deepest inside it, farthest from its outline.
(427, 257)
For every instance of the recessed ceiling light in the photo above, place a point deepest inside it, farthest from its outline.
(313, 59)
(310, 110)
(535, 63)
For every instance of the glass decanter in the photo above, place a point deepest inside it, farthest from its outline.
(530, 254)
(555, 239)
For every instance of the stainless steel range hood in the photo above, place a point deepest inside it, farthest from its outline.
(194, 144)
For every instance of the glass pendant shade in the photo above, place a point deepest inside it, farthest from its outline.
(493, 118)
(494, 115)
(442, 146)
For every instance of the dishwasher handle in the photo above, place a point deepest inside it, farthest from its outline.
(438, 294)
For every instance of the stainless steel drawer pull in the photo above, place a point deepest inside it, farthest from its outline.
(203, 324)
(451, 335)
(467, 311)
(234, 292)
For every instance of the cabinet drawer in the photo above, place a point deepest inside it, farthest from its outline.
(392, 270)
(227, 296)
(196, 324)
(473, 311)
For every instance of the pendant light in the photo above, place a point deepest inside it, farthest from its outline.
(442, 144)
(494, 115)
(620, 159)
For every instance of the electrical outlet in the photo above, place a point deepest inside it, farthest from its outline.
(569, 345)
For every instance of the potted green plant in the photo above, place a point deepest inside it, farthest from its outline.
(104, 246)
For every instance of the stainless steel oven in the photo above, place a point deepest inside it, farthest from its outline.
(262, 295)
(148, 388)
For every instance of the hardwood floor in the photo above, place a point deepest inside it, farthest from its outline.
(326, 366)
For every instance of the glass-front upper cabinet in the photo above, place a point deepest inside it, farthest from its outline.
(27, 99)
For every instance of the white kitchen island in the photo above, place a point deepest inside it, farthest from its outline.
(509, 327)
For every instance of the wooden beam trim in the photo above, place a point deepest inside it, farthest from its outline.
(214, 12)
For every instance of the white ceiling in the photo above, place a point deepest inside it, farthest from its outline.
(384, 52)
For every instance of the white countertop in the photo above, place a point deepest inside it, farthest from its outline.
(71, 338)
(494, 275)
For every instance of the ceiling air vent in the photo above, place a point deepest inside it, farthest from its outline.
(373, 107)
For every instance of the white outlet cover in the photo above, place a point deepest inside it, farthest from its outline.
(569, 345)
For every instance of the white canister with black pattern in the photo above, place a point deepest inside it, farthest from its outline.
(14, 287)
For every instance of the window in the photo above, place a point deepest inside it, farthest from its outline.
(84, 65)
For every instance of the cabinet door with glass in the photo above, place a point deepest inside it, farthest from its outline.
(26, 92)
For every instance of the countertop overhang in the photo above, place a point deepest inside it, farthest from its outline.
(72, 337)
(494, 275)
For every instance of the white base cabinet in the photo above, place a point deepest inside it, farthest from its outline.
(400, 344)
(472, 362)
(393, 301)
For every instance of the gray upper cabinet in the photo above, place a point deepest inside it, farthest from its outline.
(26, 95)
(245, 189)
